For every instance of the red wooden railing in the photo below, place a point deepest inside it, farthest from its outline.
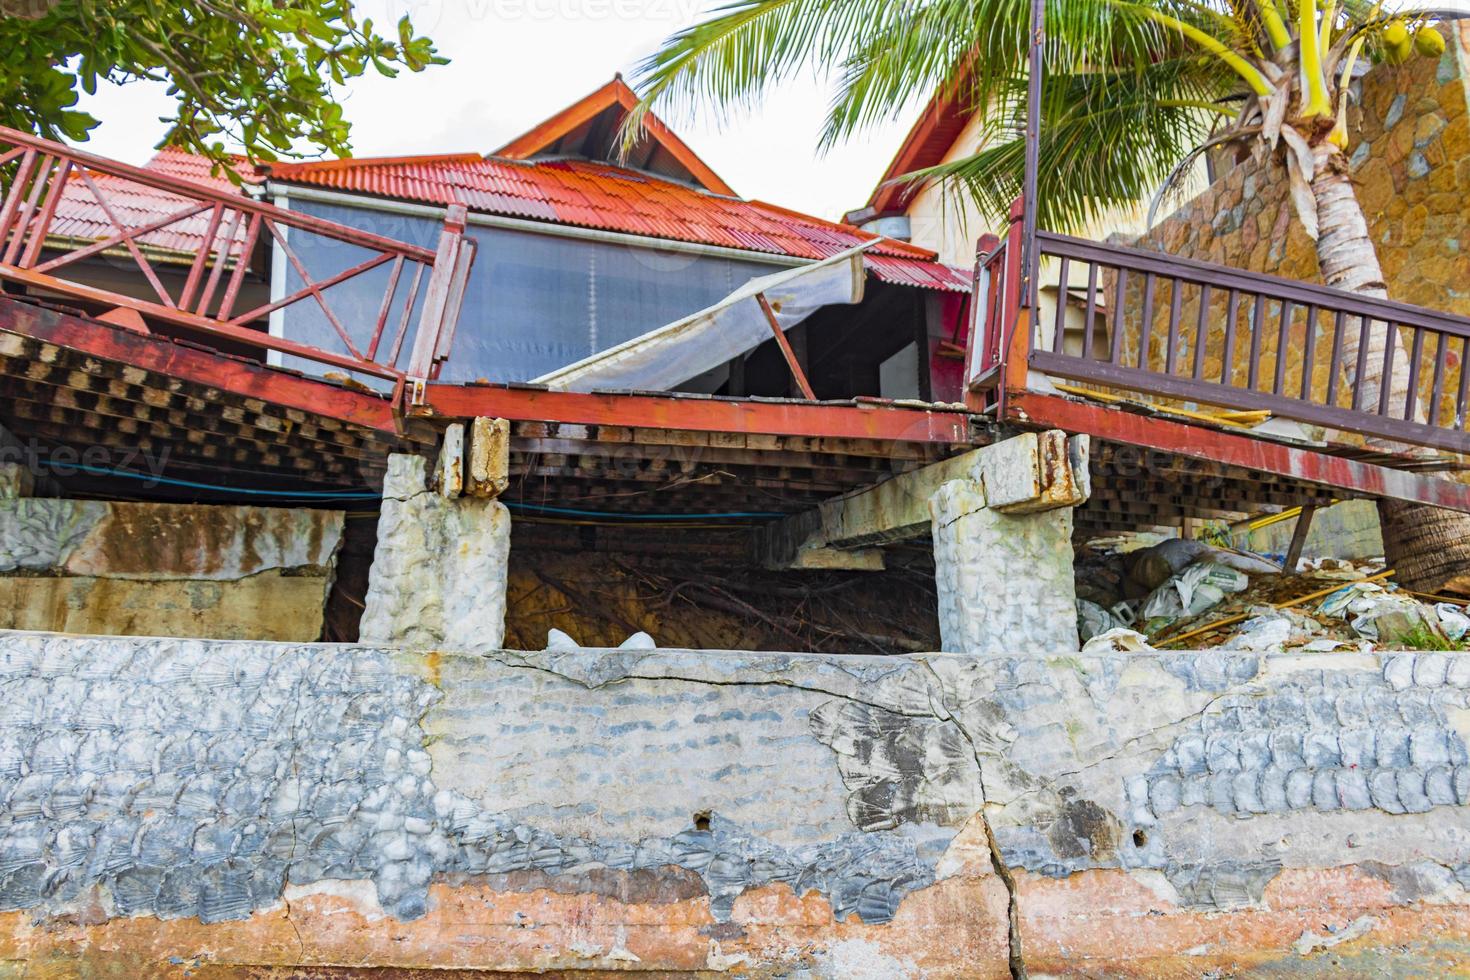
(1200, 333)
(41, 182)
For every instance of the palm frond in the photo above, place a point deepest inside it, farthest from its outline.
(977, 46)
(1108, 138)
(749, 46)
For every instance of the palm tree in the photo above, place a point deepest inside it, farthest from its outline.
(1135, 91)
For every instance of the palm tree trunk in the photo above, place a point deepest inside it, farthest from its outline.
(1428, 547)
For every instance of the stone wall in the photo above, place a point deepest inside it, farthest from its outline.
(189, 807)
(91, 566)
(1410, 164)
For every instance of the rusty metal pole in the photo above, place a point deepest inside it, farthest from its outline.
(1031, 257)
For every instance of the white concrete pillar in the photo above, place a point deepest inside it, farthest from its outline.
(1004, 578)
(440, 569)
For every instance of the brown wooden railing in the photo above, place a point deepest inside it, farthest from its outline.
(1178, 330)
(43, 184)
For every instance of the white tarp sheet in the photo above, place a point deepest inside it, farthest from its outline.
(672, 354)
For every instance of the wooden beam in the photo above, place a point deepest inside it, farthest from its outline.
(1298, 539)
(662, 411)
(797, 373)
(1254, 453)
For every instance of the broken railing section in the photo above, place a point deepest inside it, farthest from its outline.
(1000, 518)
(196, 259)
(1205, 334)
(440, 568)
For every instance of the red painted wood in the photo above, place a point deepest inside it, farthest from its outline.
(1200, 442)
(656, 411)
(163, 356)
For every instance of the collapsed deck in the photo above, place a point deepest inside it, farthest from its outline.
(171, 368)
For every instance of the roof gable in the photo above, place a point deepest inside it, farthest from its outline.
(927, 144)
(590, 128)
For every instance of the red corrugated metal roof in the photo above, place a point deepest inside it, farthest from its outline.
(80, 217)
(599, 195)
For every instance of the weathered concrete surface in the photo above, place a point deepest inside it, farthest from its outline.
(487, 458)
(265, 606)
(90, 566)
(162, 541)
(209, 808)
(1029, 472)
(441, 565)
(1005, 581)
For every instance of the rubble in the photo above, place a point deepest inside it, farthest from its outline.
(1188, 594)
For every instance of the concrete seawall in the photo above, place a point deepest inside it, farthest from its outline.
(221, 808)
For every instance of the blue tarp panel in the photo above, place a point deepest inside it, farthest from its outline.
(534, 302)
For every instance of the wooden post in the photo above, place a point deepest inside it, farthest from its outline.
(796, 372)
(1298, 539)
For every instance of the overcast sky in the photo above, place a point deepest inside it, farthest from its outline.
(515, 62)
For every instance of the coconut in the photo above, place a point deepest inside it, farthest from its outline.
(1429, 42)
(1397, 54)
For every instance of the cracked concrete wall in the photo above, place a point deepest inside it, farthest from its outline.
(92, 566)
(172, 805)
(441, 566)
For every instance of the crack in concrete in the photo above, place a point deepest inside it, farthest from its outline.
(773, 681)
(1015, 955)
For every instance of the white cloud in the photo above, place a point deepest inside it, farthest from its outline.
(515, 62)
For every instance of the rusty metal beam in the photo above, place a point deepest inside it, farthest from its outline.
(232, 374)
(1200, 442)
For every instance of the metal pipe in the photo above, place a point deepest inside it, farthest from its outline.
(1031, 261)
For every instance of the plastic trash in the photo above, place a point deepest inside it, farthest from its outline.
(1337, 604)
(1452, 620)
(1367, 607)
(1093, 619)
(1117, 641)
(557, 640)
(1199, 587)
(1152, 567)
(1243, 561)
(1270, 628)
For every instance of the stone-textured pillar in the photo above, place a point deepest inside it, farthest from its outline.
(1005, 581)
(440, 569)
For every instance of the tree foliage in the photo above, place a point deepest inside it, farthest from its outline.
(1133, 91)
(254, 73)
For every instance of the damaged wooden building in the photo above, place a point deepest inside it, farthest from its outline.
(476, 398)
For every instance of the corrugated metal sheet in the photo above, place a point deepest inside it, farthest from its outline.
(920, 273)
(81, 217)
(598, 195)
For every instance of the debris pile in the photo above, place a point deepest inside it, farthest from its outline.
(1183, 594)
